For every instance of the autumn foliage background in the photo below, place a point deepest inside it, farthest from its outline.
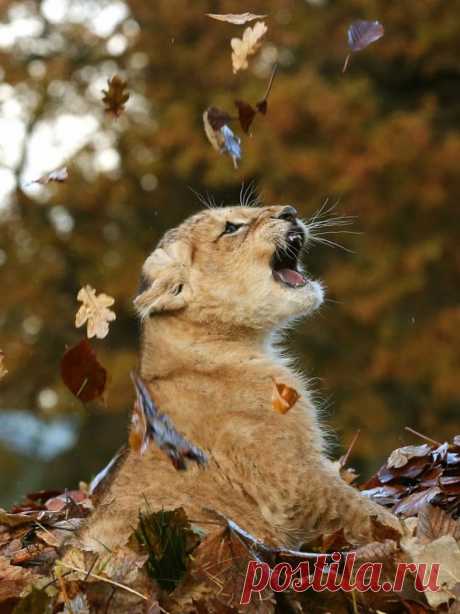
(383, 139)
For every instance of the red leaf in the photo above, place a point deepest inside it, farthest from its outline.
(81, 372)
(246, 114)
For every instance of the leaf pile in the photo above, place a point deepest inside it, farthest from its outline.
(170, 565)
(415, 475)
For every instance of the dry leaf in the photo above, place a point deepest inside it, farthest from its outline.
(14, 580)
(237, 19)
(94, 310)
(115, 97)
(400, 457)
(434, 522)
(219, 134)
(3, 370)
(59, 175)
(82, 373)
(283, 397)
(360, 35)
(246, 114)
(443, 550)
(247, 45)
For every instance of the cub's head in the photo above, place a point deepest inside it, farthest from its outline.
(231, 266)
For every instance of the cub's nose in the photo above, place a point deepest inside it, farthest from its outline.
(289, 214)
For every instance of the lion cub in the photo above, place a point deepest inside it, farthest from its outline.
(213, 294)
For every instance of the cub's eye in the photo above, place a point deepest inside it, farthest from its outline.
(230, 228)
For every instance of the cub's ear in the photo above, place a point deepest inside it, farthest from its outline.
(165, 276)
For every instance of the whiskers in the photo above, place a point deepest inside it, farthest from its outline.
(324, 224)
(208, 201)
(249, 195)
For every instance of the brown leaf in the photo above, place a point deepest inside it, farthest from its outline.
(115, 97)
(94, 310)
(237, 19)
(3, 370)
(14, 520)
(401, 456)
(219, 564)
(434, 522)
(81, 372)
(382, 532)
(247, 45)
(13, 580)
(412, 469)
(246, 114)
(283, 397)
(59, 175)
(411, 505)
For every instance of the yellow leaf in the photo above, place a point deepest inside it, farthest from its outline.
(94, 311)
(283, 397)
(247, 45)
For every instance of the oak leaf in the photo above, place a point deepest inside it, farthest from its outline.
(247, 45)
(237, 19)
(115, 96)
(94, 310)
(283, 397)
(58, 175)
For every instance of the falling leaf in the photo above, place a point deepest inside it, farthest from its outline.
(82, 373)
(158, 428)
(400, 457)
(283, 397)
(220, 135)
(360, 35)
(232, 144)
(247, 45)
(246, 114)
(3, 370)
(237, 19)
(115, 97)
(59, 175)
(94, 310)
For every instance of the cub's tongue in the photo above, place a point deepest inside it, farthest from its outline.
(290, 277)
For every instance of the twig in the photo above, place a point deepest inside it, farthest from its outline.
(344, 460)
(270, 83)
(433, 441)
(102, 579)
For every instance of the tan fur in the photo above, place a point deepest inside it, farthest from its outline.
(209, 310)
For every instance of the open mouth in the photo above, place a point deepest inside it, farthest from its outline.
(285, 261)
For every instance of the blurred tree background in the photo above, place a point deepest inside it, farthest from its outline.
(383, 138)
